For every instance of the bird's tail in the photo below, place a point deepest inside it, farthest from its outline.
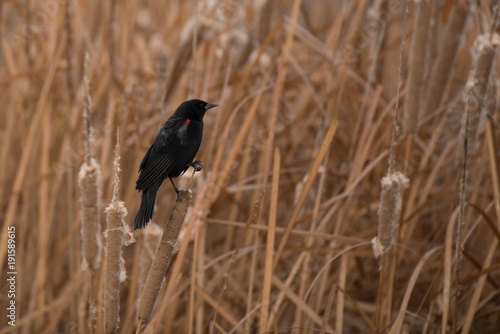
(145, 213)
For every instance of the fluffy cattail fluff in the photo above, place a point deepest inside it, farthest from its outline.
(117, 234)
(389, 211)
(163, 255)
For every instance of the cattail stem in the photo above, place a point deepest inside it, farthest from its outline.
(115, 269)
(392, 151)
(91, 300)
(163, 255)
(461, 213)
(69, 49)
(442, 69)
(418, 52)
(139, 327)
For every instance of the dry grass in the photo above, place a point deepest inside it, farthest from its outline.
(308, 92)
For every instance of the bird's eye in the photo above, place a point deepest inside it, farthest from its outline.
(201, 105)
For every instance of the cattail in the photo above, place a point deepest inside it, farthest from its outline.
(89, 180)
(392, 184)
(491, 97)
(416, 77)
(389, 211)
(163, 255)
(442, 70)
(115, 270)
(116, 233)
(477, 103)
(151, 237)
(478, 111)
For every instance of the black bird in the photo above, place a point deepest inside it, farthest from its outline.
(171, 154)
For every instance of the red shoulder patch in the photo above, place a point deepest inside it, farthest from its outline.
(187, 121)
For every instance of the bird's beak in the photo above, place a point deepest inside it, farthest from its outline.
(210, 105)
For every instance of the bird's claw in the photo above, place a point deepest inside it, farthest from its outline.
(196, 165)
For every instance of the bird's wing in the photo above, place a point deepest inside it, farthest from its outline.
(143, 163)
(158, 159)
(153, 170)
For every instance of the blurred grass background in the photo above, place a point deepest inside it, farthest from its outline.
(283, 73)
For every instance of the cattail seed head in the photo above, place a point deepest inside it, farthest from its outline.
(163, 255)
(389, 210)
(115, 265)
(89, 180)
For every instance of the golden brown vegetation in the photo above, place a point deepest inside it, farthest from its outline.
(277, 237)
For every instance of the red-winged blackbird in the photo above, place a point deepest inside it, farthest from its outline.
(171, 154)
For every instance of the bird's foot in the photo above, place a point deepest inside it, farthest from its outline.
(196, 165)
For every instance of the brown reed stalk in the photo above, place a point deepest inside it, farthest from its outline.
(69, 49)
(268, 263)
(116, 230)
(459, 247)
(163, 256)
(442, 69)
(417, 66)
(27, 7)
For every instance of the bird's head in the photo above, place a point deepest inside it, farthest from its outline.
(194, 109)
